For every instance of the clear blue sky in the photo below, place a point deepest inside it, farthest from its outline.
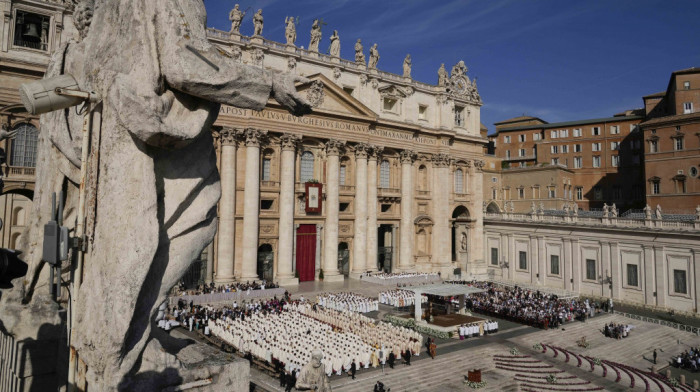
(555, 59)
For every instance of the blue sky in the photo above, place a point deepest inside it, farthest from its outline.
(555, 59)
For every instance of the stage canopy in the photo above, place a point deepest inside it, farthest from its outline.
(445, 290)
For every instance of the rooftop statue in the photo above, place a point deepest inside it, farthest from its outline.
(407, 66)
(373, 57)
(290, 30)
(258, 23)
(334, 49)
(442, 76)
(359, 54)
(316, 35)
(236, 16)
(155, 184)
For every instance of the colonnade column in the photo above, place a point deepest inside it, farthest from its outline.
(475, 190)
(406, 257)
(227, 207)
(360, 239)
(372, 243)
(330, 256)
(285, 251)
(442, 255)
(251, 204)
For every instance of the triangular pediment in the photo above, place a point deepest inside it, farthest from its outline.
(334, 100)
(391, 91)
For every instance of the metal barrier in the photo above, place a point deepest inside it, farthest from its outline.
(678, 326)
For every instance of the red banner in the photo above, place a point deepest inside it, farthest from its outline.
(314, 193)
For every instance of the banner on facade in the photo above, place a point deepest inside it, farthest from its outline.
(313, 197)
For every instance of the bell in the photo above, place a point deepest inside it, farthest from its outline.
(31, 32)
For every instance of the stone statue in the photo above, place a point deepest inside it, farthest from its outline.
(659, 215)
(613, 211)
(5, 134)
(575, 209)
(258, 23)
(316, 35)
(647, 212)
(158, 184)
(236, 16)
(605, 210)
(463, 242)
(334, 49)
(290, 30)
(566, 209)
(541, 208)
(533, 208)
(697, 213)
(442, 76)
(373, 57)
(313, 375)
(407, 66)
(359, 55)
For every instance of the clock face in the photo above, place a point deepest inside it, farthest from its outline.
(461, 85)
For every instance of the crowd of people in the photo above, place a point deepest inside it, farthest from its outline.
(348, 301)
(226, 288)
(399, 298)
(616, 331)
(527, 306)
(689, 359)
(403, 275)
(475, 329)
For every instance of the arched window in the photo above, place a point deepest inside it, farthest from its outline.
(459, 181)
(24, 146)
(307, 166)
(384, 176)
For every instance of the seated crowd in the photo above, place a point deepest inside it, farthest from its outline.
(348, 301)
(616, 331)
(689, 359)
(474, 329)
(227, 288)
(399, 298)
(399, 275)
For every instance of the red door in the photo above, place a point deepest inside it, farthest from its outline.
(306, 252)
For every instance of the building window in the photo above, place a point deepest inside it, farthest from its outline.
(494, 256)
(507, 154)
(679, 282)
(596, 161)
(343, 171)
(579, 193)
(614, 129)
(577, 148)
(564, 133)
(554, 134)
(597, 193)
(565, 149)
(422, 112)
(554, 264)
(655, 187)
(390, 105)
(578, 162)
(590, 269)
(653, 146)
(31, 30)
(614, 145)
(686, 85)
(384, 174)
(554, 149)
(693, 171)
(555, 161)
(506, 139)
(595, 131)
(348, 90)
(459, 116)
(522, 259)
(24, 146)
(535, 136)
(521, 138)
(459, 181)
(307, 167)
(617, 193)
(266, 164)
(615, 160)
(577, 132)
(552, 192)
(521, 193)
(678, 143)
(632, 277)
(595, 146)
(493, 194)
(521, 152)
(680, 184)
(687, 107)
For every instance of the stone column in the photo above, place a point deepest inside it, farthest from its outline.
(359, 246)
(576, 264)
(210, 263)
(695, 263)
(476, 234)
(319, 242)
(406, 256)
(227, 207)
(606, 267)
(533, 260)
(285, 274)
(372, 243)
(567, 265)
(662, 277)
(394, 251)
(442, 255)
(251, 204)
(648, 266)
(512, 258)
(330, 257)
(616, 271)
(542, 261)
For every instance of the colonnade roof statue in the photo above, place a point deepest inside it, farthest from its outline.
(155, 185)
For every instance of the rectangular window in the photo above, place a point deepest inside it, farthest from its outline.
(577, 132)
(680, 186)
(494, 256)
(564, 149)
(687, 107)
(596, 161)
(554, 149)
(348, 90)
(507, 154)
(679, 282)
(564, 133)
(506, 139)
(554, 264)
(554, 134)
(266, 163)
(522, 260)
(552, 193)
(686, 85)
(535, 136)
(577, 148)
(655, 188)
(578, 162)
(31, 30)
(597, 193)
(521, 138)
(590, 270)
(343, 170)
(595, 131)
(678, 143)
(579, 193)
(521, 152)
(595, 146)
(555, 161)
(632, 277)
(390, 104)
(493, 194)
(459, 116)
(422, 112)
(614, 145)
(614, 129)
(615, 160)
(521, 193)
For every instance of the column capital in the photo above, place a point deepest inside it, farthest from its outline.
(441, 160)
(228, 136)
(408, 156)
(375, 152)
(254, 137)
(289, 141)
(362, 150)
(334, 147)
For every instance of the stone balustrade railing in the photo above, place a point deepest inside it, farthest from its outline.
(652, 223)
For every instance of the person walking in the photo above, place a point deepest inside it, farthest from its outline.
(655, 356)
(433, 348)
(353, 369)
(407, 356)
(392, 358)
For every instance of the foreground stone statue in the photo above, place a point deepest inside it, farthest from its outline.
(154, 188)
(236, 16)
(258, 23)
(313, 375)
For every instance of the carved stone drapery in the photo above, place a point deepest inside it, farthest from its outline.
(289, 141)
(441, 160)
(254, 137)
(407, 156)
(334, 147)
